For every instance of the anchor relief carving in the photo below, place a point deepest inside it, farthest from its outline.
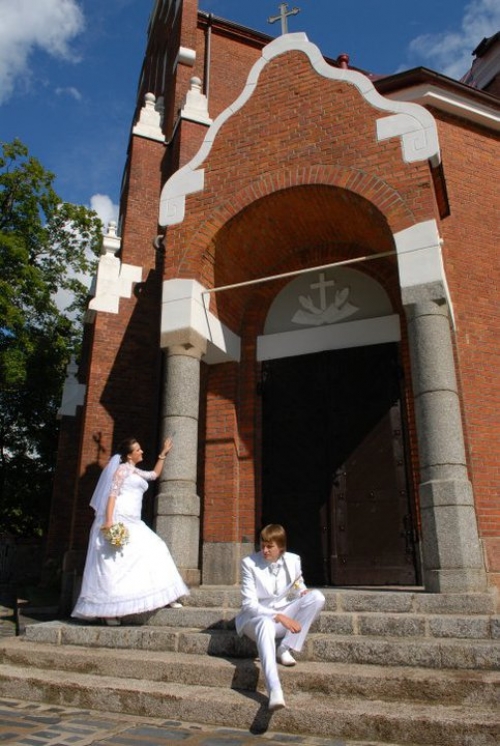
(326, 313)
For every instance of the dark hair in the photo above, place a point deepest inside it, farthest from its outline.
(126, 447)
(273, 532)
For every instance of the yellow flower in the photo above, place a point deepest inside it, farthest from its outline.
(117, 535)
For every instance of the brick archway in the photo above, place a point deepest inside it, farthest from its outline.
(375, 191)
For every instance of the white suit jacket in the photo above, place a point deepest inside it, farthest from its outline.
(257, 585)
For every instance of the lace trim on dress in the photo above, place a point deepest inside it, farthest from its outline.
(124, 471)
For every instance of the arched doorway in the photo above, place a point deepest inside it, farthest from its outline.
(334, 463)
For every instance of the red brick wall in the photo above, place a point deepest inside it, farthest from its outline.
(231, 59)
(256, 153)
(470, 250)
(123, 377)
(326, 198)
(65, 482)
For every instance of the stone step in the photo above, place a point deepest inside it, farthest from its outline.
(344, 623)
(466, 654)
(398, 684)
(312, 713)
(361, 600)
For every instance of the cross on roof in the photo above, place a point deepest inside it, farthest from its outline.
(283, 16)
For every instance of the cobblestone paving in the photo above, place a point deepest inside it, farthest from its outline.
(35, 724)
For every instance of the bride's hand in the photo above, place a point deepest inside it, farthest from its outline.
(167, 445)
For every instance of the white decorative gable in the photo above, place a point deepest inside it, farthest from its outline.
(413, 124)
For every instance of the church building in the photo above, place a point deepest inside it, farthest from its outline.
(303, 291)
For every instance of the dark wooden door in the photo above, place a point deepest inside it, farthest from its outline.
(334, 470)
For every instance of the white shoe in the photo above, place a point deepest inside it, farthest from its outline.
(276, 700)
(112, 621)
(284, 656)
(175, 605)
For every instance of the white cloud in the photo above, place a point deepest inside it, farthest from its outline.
(104, 207)
(450, 52)
(69, 91)
(29, 25)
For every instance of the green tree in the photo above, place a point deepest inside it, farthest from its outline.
(45, 246)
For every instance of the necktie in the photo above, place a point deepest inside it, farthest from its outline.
(274, 568)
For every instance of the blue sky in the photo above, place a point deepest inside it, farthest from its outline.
(69, 68)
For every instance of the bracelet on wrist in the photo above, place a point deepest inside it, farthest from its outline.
(162, 458)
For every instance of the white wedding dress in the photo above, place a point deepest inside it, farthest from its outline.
(140, 576)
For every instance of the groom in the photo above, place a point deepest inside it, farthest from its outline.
(276, 606)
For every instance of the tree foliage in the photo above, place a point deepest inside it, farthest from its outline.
(46, 245)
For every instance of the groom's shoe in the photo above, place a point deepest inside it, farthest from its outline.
(276, 700)
(284, 656)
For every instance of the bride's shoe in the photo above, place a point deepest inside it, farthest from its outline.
(111, 621)
(175, 605)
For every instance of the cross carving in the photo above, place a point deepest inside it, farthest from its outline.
(283, 16)
(322, 285)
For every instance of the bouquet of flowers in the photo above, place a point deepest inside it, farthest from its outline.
(117, 535)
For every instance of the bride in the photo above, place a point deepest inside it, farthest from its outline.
(140, 575)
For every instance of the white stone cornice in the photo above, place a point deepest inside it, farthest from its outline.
(413, 124)
(73, 395)
(186, 320)
(463, 106)
(420, 259)
(419, 254)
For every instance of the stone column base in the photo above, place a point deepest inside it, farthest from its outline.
(221, 562)
(453, 561)
(190, 576)
(455, 581)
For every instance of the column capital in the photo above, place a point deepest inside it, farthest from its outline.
(188, 349)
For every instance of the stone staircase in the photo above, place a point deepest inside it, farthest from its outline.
(400, 668)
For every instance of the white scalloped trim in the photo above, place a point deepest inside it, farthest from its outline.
(411, 122)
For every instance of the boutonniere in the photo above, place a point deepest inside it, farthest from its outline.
(295, 589)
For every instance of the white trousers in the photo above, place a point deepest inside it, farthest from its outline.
(265, 632)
